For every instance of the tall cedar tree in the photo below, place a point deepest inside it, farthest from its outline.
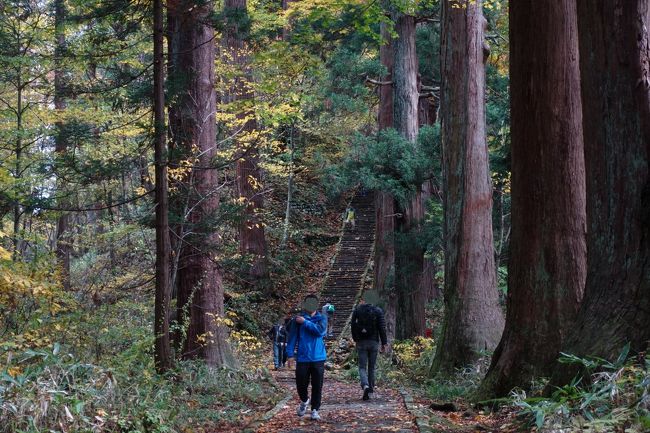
(384, 267)
(162, 352)
(547, 265)
(473, 319)
(409, 257)
(63, 240)
(252, 241)
(200, 288)
(616, 123)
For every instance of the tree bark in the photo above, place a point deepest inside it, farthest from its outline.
(200, 288)
(252, 241)
(63, 241)
(384, 259)
(18, 165)
(616, 123)
(409, 266)
(162, 353)
(287, 212)
(409, 255)
(547, 266)
(473, 319)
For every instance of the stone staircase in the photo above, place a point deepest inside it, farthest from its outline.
(346, 276)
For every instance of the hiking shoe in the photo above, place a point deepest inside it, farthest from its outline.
(314, 415)
(366, 393)
(302, 408)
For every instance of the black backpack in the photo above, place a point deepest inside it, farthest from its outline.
(364, 322)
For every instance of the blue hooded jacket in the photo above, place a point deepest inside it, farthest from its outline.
(309, 338)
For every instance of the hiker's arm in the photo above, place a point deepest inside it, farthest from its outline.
(353, 328)
(319, 330)
(381, 324)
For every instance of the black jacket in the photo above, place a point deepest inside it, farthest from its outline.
(379, 330)
(277, 334)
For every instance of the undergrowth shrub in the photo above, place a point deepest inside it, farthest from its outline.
(51, 390)
(413, 358)
(615, 397)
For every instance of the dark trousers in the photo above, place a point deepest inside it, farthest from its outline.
(314, 372)
(367, 351)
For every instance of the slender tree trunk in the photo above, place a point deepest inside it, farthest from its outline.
(384, 261)
(616, 123)
(252, 241)
(18, 170)
(547, 267)
(200, 288)
(285, 29)
(63, 240)
(287, 213)
(409, 255)
(473, 319)
(163, 292)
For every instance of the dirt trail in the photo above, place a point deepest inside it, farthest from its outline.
(342, 410)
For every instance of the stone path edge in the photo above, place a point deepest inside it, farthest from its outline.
(255, 424)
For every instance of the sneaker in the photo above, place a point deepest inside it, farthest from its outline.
(302, 408)
(366, 393)
(314, 415)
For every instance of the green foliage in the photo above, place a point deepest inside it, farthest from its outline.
(615, 397)
(44, 390)
(388, 162)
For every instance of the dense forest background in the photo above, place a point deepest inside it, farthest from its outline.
(173, 177)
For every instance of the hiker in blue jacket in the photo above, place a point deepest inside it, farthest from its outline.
(307, 345)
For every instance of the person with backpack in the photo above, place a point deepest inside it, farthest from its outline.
(328, 311)
(368, 329)
(278, 336)
(307, 334)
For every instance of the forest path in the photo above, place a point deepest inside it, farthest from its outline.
(342, 410)
(346, 276)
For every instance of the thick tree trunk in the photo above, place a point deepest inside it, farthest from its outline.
(409, 265)
(162, 352)
(473, 319)
(252, 241)
(616, 113)
(63, 241)
(200, 289)
(384, 260)
(409, 256)
(405, 78)
(547, 267)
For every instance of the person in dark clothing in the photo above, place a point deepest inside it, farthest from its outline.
(287, 324)
(278, 336)
(368, 329)
(307, 345)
